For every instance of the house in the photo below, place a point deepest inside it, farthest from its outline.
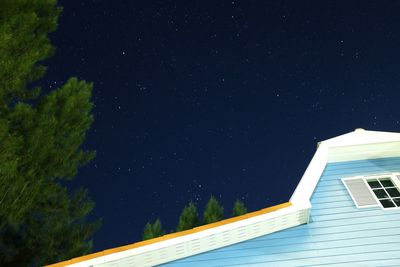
(345, 211)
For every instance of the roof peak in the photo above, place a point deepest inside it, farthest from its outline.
(355, 145)
(361, 136)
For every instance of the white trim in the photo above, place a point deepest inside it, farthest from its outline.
(395, 180)
(362, 137)
(363, 151)
(308, 182)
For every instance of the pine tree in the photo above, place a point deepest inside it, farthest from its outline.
(158, 229)
(148, 231)
(53, 231)
(238, 208)
(24, 27)
(189, 218)
(40, 145)
(213, 211)
(153, 230)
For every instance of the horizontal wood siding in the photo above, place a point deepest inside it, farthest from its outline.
(338, 234)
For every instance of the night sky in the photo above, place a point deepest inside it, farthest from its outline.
(229, 98)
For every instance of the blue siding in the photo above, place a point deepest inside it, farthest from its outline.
(339, 234)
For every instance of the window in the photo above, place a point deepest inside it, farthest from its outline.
(385, 191)
(374, 191)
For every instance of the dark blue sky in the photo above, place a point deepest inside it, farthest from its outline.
(228, 98)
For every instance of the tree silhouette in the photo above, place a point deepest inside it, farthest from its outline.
(238, 208)
(189, 217)
(213, 211)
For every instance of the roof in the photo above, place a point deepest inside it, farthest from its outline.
(339, 233)
(188, 236)
(351, 146)
(357, 145)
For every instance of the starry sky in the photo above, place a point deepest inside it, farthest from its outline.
(228, 98)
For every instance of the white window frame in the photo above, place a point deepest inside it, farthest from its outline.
(393, 178)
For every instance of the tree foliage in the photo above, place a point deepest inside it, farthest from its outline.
(189, 217)
(24, 29)
(238, 208)
(40, 144)
(153, 230)
(52, 231)
(213, 211)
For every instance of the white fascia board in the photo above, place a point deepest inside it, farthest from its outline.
(189, 237)
(361, 137)
(364, 151)
(307, 184)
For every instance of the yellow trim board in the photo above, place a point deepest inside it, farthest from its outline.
(172, 235)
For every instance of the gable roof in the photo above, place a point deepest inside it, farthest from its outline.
(357, 145)
(351, 146)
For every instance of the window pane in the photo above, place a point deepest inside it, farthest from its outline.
(386, 182)
(374, 184)
(393, 192)
(380, 193)
(387, 203)
(397, 201)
